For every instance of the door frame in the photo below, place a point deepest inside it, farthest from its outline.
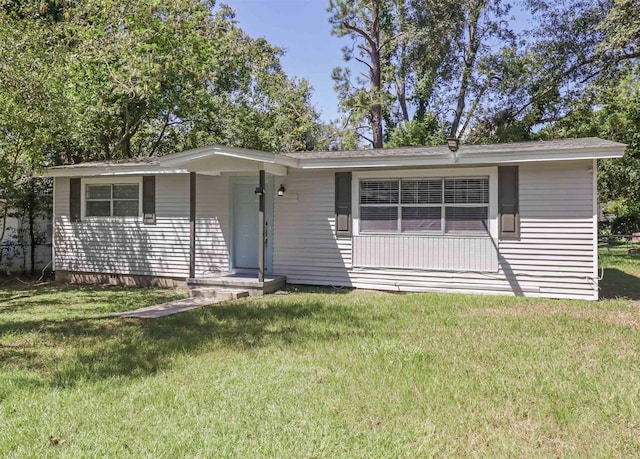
(252, 182)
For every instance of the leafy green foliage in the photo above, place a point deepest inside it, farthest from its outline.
(140, 78)
(424, 131)
(612, 112)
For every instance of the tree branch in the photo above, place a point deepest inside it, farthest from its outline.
(389, 40)
(164, 128)
(364, 48)
(359, 31)
(364, 62)
(473, 109)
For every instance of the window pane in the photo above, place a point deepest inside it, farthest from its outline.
(378, 219)
(125, 191)
(466, 220)
(421, 219)
(379, 192)
(125, 208)
(98, 191)
(422, 191)
(98, 208)
(466, 191)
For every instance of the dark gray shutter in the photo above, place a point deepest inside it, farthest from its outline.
(75, 199)
(149, 199)
(508, 203)
(343, 204)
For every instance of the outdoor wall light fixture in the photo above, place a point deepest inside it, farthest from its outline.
(453, 143)
(281, 190)
(259, 191)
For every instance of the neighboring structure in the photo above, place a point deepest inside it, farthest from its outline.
(517, 219)
(15, 247)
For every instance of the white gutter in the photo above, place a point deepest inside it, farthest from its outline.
(108, 171)
(461, 159)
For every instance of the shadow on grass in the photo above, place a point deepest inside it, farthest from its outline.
(68, 351)
(619, 284)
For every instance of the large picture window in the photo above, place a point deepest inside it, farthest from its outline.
(112, 200)
(425, 205)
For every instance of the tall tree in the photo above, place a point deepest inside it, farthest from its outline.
(368, 24)
(415, 52)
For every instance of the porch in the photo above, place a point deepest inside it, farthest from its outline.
(246, 225)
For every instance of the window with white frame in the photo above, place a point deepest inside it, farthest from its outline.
(456, 205)
(112, 200)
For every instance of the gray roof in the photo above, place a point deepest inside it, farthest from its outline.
(537, 145)
(111, 162)
(468, 151)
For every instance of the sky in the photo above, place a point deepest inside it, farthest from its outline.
(302, 28)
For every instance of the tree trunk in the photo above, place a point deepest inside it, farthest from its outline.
(469, 63)
(401, 91)
(32, 232)
(376, 79)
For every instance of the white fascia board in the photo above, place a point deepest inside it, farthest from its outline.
(287, 161)
(108, 171)
(475, 159)
(380, 162)
(241, 153)
(275, 169)
(544, 155)
(182, 158)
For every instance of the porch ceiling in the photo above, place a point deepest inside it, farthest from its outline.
(217, 164)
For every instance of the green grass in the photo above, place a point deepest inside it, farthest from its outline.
(319, 373)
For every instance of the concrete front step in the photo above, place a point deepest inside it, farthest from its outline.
(221, 294)
(243, 282)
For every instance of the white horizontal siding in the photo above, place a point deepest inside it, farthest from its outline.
(557, 228)
(131, 247)
(553, 258)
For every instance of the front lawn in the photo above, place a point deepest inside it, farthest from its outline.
(318, 373)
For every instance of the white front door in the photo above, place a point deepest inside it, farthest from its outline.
(245, 226)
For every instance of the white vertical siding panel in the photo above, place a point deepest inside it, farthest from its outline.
(416, 252)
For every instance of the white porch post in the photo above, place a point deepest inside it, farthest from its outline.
(192, 225)
(261, 239)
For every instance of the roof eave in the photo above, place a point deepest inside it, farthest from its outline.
(181, 159)
(109, 171)
(507, 157)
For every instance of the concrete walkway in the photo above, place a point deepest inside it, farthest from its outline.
(166, 309)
